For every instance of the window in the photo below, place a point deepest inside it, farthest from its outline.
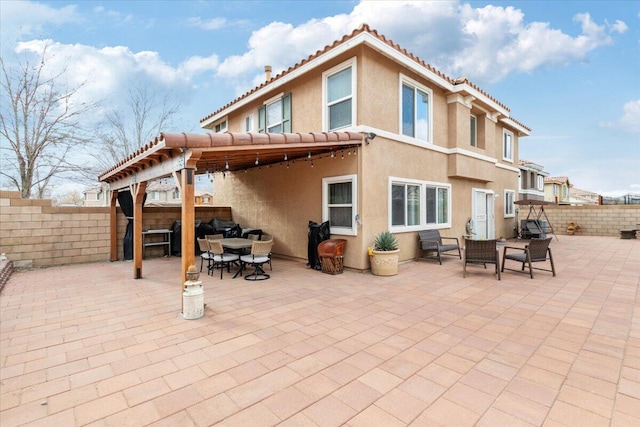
(509, 198)
(154, 195)
(176, 194)
(474, 131)
(415, 110)
(220, 126)
(540, 182)
(339, 94)
(507, 146)
(248, 123)
(339, 203)
(405, 204)
(275, 115)
(416, 205)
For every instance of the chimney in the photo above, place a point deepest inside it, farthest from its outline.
(267, 71)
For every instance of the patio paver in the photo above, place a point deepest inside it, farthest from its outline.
(88, 345)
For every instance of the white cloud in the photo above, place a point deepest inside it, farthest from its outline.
(207, 24)
(485, 44)
(22, 19)
(630, 119)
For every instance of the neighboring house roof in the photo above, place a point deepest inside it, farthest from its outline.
(459, 85)
(556, 180)
(160, 186)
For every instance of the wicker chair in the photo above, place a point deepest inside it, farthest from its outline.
(431, 241)
(535, 251)
(480, 252)
(221, 259)
(203, 244)
(260, 255)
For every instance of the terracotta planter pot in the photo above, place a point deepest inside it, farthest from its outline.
(384, 263)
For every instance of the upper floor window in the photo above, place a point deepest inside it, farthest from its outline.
(176, 194)
(248, 123)
(509, 198)
(507, 145)
(275, 115)
(540, 186)
(339, 96)
(154, 195)
(415, 110)
(339, 203)
(418, 204)
(221, 126)
(474, 131)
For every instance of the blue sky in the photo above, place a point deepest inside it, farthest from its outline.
(569, 70)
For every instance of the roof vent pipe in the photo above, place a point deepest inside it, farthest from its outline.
(267, 71)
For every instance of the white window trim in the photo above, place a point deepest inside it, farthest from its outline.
(405, 79)
(252, 123)
(540, 183)
(220, 122)
(423, 207)
(474, 136)
(353, 230)
(504, 133)
(354, 92)
(513, 206)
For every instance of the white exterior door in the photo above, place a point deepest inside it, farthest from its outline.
(483, 216)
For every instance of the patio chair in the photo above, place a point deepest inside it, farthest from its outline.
(480, 252)
(260, 255)
(203, 244)
(535, 251)
(431, 241)
(265, 237)
(221, 259)
(214, 236)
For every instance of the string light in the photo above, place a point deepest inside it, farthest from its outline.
(309, 155)
(285, 156)
(226, 163)
(332, 154)
(257, 160)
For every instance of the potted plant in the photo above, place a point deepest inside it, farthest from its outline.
(384, 255)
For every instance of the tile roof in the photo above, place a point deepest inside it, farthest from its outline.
(557, 179)
(364, 28)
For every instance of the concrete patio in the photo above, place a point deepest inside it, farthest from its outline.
(88, 345)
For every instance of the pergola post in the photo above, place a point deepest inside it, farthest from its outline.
(137, 192)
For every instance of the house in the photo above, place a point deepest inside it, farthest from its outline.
(95, 196)
(159, 193)
(581, 197)
(557, 190)
(437, 151)
(531, 181)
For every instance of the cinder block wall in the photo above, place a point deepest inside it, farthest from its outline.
(593, 220)
(33, 233)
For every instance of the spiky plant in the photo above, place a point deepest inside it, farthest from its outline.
(385, 241)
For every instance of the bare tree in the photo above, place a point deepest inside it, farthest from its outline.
(39, 126)
(146, 113)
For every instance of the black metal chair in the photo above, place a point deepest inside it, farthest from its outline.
(480, 252)
(536, 251)
(431, 241)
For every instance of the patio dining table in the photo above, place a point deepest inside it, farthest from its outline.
(236, 243)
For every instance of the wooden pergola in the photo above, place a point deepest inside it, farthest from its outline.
(185, 155)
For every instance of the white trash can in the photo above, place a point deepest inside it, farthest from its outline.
(193, 300)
